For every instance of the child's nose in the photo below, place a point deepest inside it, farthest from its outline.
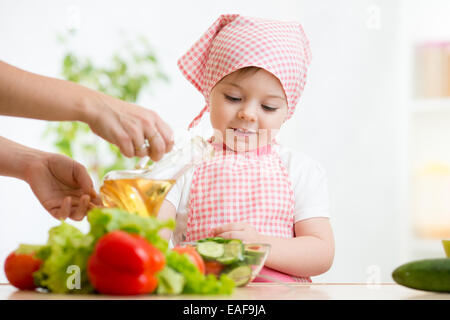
(247, 114)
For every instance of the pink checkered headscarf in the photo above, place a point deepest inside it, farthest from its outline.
(233, 42)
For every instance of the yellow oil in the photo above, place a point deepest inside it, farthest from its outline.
(141, 196)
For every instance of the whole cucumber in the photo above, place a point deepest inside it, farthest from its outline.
(426, 274)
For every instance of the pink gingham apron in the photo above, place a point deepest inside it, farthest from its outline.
(253, 186)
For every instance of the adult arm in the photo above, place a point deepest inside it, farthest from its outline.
(29, 95)
(61, 185)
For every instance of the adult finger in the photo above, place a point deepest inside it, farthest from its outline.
(95, 201)
(166, 133)
(141, 147)
(157, 144)
(83, 179)
(124, 142)
(64, 210)
(93, 205)
(137, 136)
(81, 209)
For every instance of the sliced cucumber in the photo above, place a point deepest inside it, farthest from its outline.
(253, 255)
(234, 251)
(241, 275)
(249, 259)
(215, 239)
(210, 249)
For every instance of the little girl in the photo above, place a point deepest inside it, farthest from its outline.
(252, 72)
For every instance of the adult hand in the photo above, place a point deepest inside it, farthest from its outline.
(24, 94)
(128, 126)
(62, 186)
(238, 230)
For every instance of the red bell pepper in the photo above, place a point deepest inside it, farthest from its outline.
(124, 264)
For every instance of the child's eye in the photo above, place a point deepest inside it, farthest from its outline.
(267, 108)
(232, 99)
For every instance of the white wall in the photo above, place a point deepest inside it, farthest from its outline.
(346, 119)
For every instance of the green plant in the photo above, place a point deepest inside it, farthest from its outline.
(131, 69)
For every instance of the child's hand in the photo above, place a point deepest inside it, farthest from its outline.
(237, 230)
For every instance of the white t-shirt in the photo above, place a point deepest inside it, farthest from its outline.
(308, 180)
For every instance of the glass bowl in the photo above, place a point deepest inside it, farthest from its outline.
(240, 261)
(257, 264)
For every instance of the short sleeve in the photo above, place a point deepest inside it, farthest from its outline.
(311, 194)
(310, 186)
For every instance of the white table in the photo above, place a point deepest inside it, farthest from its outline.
(264, 291)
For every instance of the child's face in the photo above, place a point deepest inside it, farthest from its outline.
(247, 109)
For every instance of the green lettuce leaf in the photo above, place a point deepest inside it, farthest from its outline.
(28, 248)
(66, 247)
(180, 274)
(195, 281)
(104, 220)
(170, 281)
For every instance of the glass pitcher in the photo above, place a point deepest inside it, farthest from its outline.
(142, 190)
